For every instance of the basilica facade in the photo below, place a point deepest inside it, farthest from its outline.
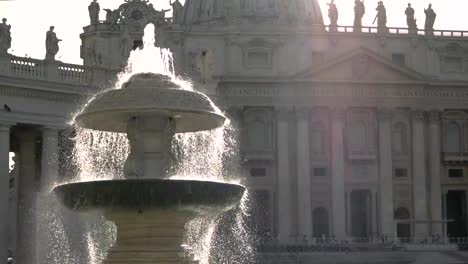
(345, 132)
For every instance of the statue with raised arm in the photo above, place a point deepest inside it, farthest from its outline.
(5, 37)
(177, 12)
(430, 19)
(333, 15)
(159, 17)
(126, 46)
(52, 46)
(410, 20)
(94, 9)
(359, 11)
(381, 17)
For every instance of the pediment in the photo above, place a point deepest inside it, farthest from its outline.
(361, 65)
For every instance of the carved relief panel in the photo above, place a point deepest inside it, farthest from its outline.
(319, 131)
(361, 134)
(454, 132)
(401, 135)
(258, 133)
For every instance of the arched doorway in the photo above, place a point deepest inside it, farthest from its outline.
(320, 222)
(404, 228)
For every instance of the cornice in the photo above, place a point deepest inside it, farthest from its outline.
(39, 94)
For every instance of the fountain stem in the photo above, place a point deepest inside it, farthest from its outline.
(150, 146)
(152, 236)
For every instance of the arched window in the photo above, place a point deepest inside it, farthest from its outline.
(358, 136)
(399, 139)
(320, 222)
(453, 138)
(403, 228)
(317, 138)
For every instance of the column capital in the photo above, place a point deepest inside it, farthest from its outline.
(384, 114)
(302, 113)
(435, 115)
(338, 113)
(417, 114)
(283, 112)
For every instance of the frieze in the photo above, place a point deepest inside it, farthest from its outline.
(363, 91)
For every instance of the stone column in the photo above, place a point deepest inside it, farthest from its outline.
(303, 174)
(434, 170)
(27, 188)
(338, 170)
(5, 190)
(284, 177)
(385, 172)
(44, 202)
(419, 174)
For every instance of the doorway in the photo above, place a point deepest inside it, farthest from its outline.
(361, 213)
(456, 211)
(403, 229)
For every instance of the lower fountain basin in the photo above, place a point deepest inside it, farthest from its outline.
(201, 197)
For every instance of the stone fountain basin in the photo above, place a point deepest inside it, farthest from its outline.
(200, 197)
(110, 111)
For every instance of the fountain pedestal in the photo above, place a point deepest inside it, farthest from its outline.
(148, 237)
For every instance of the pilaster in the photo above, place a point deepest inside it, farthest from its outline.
(385, 172)
(435, 170)
(303, 173)
(419, 173)
(284, 181)
(338, 171)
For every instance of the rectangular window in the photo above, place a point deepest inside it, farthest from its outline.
(399, 59)
(401, 172)
(320, 172)
(258, 58)
(258, 172)
(455, 173)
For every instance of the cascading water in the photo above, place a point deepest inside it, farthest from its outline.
(200, 155)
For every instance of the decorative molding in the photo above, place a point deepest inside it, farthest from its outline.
(418, 115)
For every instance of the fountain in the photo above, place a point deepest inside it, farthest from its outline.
(149, 209)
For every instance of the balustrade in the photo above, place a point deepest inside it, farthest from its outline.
(399, 31)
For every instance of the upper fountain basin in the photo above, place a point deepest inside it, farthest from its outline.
(150, 94)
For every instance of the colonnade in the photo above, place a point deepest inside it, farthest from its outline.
(425, 160)
(28, 184)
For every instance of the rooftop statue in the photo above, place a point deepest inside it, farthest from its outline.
(5, 37)
(159, 17)
(430, 19)
(112, 18)
(94, 9)
(359, 11)
(126, 46)
(333, 15)
(381, 17)
(177, 12)
(410, 20)
(52, 46)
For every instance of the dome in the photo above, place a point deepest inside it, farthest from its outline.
(306, 12)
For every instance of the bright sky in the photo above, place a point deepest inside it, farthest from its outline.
(30, 20)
